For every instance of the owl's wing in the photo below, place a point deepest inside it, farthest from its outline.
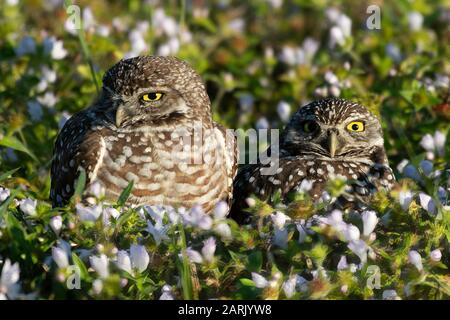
(77, 145)
(228, 141)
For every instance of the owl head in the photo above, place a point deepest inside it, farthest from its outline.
(334, 128)
(151, 89)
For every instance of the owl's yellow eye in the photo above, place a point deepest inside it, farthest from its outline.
(152, 96)
(355, 126)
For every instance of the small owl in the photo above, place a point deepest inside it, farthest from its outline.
(151, 125)
(324, 139)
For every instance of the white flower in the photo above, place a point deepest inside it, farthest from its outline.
(405, 198)
(284, 111)
(262, 123)
(26, 46)
(351, 233)
(96, 189)
(88, 213)
(370, 221)
(64, 245)
(156, 212)
(56, 224)
(48, 74)
(390, 295)
(197, 217)
(337, 37)
(436, 255)
(100, 265)
(158, 231)
(237, 25)
(209, 247)
(48, 99)
(28, 206)
(194, 256)
(221, 210)
(139, 257)
(331, 78)
(111, 212)
(88, 18)
(123, 261)
(359, 247)
(246, 102)
(427, 203)
(60, 257)
(4, 194)
(342, 264)
(439, 142)
(97, 286)
(54, 48)
(393, 52)
(223, 229)
(166, 293)
(415, 259)
(289, 286)
(335, 91)
(415, 21)
(8, 281)
(259, 280)
(305, 186)
(279, 219)
(402, 164)
(427, 142)
(35, 110)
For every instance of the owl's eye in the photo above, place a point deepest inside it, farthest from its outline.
(152, 96)
(309, 126)
(355, 126)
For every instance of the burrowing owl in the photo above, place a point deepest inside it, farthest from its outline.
(152, 124)
(324, 139)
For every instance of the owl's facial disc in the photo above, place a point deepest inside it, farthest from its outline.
(150, 105)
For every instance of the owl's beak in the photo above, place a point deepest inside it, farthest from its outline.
(332, 143)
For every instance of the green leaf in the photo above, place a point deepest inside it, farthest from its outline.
(16, 144)
(79, 263)
(247, 282)
(8, 174)
(255, 260)
(125, 194)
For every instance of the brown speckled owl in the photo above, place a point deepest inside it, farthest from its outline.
(152, 124)
(324, 139)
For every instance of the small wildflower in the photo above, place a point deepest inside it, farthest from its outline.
(284, 111)
(139, 257)
(342, 264)
(8, 280)
(194, 256)
(221, 210)
(88, 213)
(100, 265)
(427, 203)
(259, 280)
(415, 21)
(209, 247)
(390, 295)
(4, 194)
(436, 255)
(289, 287)
(158, 231)
(28, 206)
(359, 247)
(123, 261)
(223, 229)
(370, 221)
(405, 198)
(415, 259)
(56, 224)
(60, 257)
(166, 293)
